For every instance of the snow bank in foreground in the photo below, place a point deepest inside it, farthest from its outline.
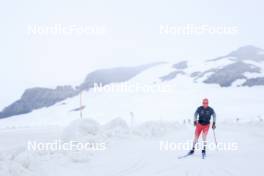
(21, 162)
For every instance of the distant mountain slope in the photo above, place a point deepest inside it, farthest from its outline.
(245, 60)
(248, 52)
(35, 98)
(230, 73)
(114, 75)
(243, 67)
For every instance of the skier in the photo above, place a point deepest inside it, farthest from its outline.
(202, 117)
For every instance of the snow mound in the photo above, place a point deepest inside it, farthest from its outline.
(81, 129)
(116, 128)
(88, 130)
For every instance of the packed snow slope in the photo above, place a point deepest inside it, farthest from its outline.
(147, 97)
(131, 150)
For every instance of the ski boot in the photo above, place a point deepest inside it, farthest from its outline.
(203, 153)
(191, 152)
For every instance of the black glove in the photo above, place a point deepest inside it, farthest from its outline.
(213, 126)
(195, 123)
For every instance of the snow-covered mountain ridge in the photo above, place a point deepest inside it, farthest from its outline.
(239, 74)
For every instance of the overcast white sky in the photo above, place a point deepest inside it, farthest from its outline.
(132, 37)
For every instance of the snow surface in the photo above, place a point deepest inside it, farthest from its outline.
(136, 152)
(132, 124)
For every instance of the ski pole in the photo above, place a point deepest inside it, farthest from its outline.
(215, 140)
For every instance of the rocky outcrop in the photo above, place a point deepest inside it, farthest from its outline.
(181, 65)
(171, 75)
(36, 98)
(230, 73)
(254, 82)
